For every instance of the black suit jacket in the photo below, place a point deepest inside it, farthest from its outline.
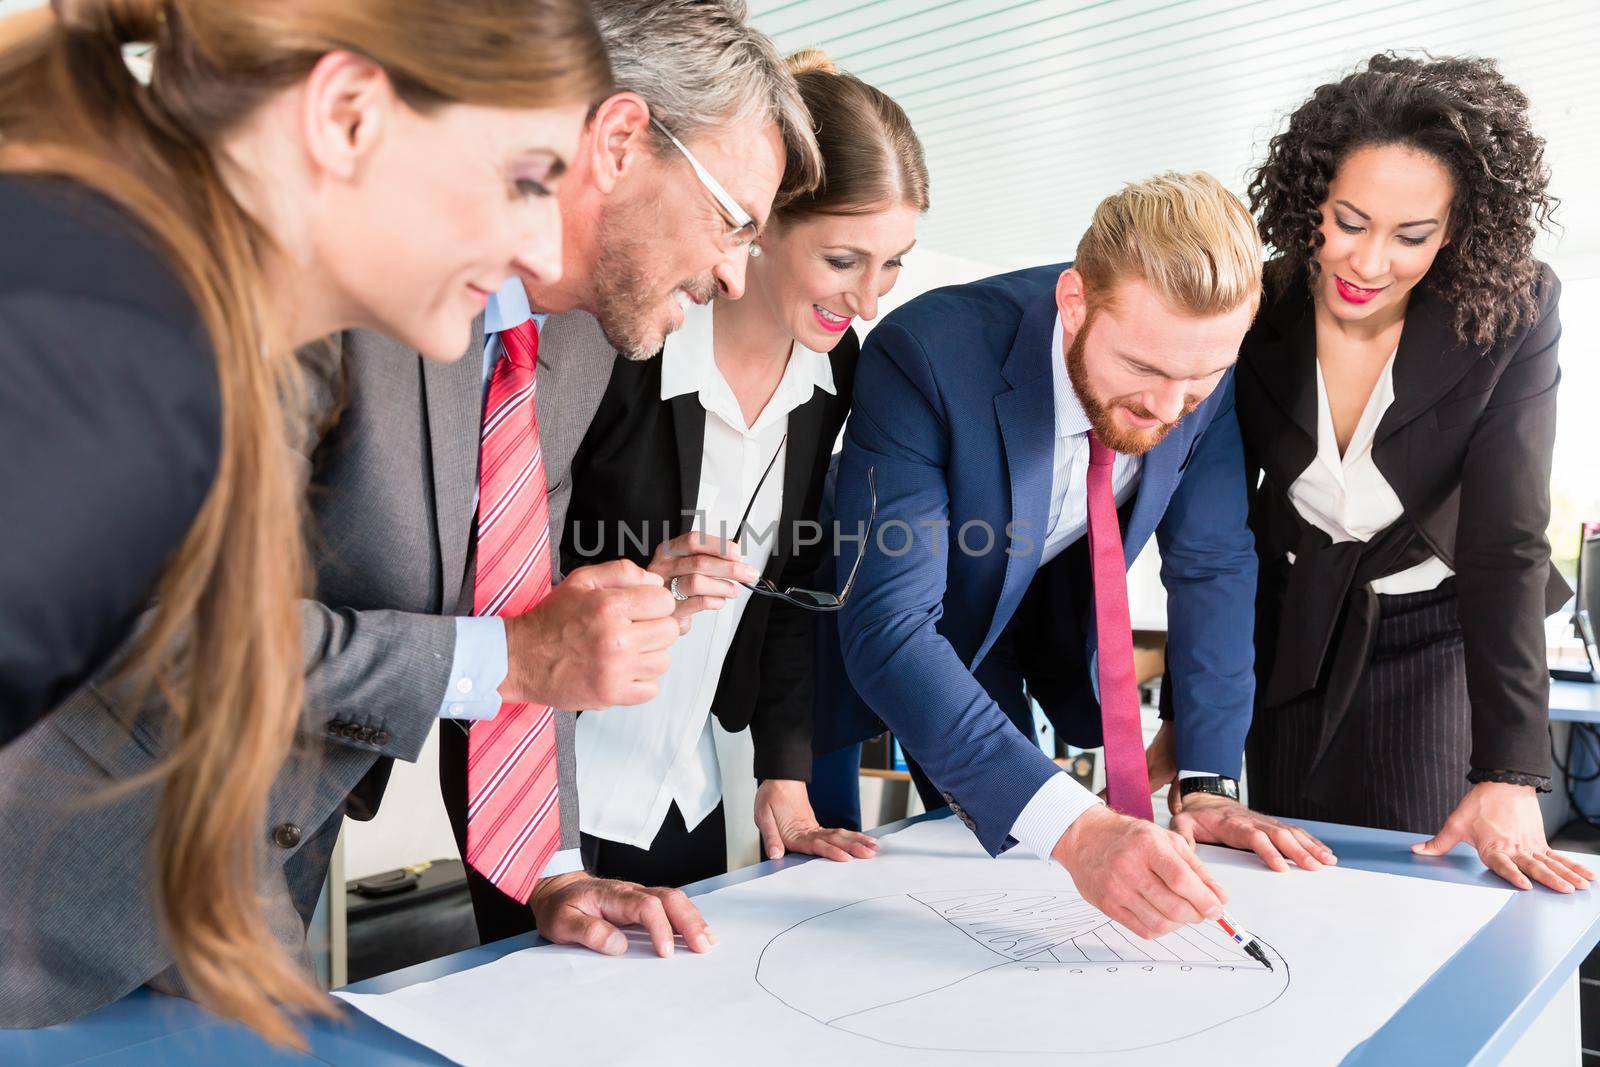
(639, 469)
(1467, 448)
(110, 435)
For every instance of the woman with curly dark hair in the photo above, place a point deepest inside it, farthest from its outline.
(1397, 397)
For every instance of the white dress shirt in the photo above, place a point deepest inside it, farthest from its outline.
(1069, 481)
(1060, 801)
(1347, 497)
(635, 762)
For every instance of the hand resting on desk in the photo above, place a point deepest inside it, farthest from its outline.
(1504, 824)
(579, 909)
(1215, 820)
(1501, 821)
(788, 824)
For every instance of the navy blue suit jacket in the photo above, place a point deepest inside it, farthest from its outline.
(954, 409)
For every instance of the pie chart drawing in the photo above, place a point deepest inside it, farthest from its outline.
(1010, 971)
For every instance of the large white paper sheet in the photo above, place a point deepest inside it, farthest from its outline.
(935, 953)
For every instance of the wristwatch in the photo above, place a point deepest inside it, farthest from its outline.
(1214, 784)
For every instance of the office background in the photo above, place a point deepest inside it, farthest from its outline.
(1032, 111)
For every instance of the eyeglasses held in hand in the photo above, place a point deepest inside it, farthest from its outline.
(809, 599)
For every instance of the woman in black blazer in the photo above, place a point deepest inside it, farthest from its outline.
(1397, 398)
(729, 433)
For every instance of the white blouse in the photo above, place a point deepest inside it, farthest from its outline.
(635, 762)
(1347, 497)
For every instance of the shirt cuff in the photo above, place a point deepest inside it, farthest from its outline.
(1199, 774)
(1045, 817)
(479, 666)
(564, 862)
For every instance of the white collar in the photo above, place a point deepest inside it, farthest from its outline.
(689, 365)
(1071, 421)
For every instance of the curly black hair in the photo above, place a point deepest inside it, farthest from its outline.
(1464, 113)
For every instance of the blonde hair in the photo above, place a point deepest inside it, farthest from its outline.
(1190, 239)
(225, 644)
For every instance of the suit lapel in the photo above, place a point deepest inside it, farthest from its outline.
(453, 393)
(689, 429)
(575, 365)
(1158, 477)
(1287, 372)
(1026, 414)
(1429, 363)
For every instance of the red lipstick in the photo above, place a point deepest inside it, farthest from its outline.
(1354, 293)
(829, 324)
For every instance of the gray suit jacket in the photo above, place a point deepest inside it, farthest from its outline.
(391, 497)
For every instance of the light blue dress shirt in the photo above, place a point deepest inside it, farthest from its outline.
(480, 663)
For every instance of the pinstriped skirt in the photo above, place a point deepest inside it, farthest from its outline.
(1410, 720)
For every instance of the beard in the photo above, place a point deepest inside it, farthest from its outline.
(629, 301)
(1102, 413)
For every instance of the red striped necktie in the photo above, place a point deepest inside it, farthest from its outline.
(513, 812)
(1127, 781)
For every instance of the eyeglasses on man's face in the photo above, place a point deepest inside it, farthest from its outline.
(809, 599)
(741, 227)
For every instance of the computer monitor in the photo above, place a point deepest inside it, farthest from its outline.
(1586, 608)
(1589, 570)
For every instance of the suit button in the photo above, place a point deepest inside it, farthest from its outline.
(380, 737)
(286, 835)
(334, 728)
(352, 731)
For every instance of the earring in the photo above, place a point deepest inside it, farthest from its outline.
(755, 251)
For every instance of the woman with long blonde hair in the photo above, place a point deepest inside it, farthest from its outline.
(288, 169)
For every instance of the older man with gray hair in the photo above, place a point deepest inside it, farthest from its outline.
(677, 170)
(674, 175)
(416, 540)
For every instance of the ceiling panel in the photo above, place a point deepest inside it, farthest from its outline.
(1032, 111)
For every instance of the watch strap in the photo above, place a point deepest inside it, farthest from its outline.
(1214, 784)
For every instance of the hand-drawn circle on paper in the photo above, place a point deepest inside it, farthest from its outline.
(1010, 971)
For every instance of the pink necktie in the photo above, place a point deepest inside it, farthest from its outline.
(1127, 781)
(513, 812)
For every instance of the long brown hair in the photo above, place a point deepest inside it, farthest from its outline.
(225, 644)
(870, 154)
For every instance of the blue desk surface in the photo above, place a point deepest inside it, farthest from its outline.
(1470, 1012)
(1575, 702)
